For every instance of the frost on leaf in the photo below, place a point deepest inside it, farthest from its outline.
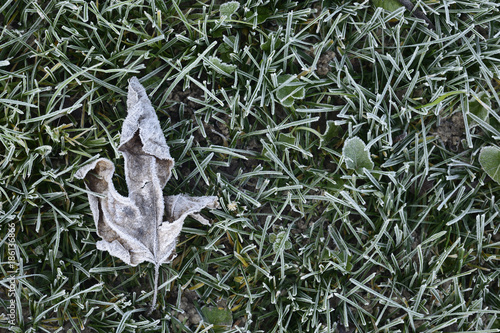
(390, 5)
(489, 158)
(355, 154)
(227, 9)
(289, 90)
(143, 226)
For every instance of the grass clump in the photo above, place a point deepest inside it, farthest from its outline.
(257, 100)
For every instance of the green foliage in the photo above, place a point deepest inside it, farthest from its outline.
(280, 241)
(489, 158)
(479, 107)
(289, 89)
(221, 67)
(217, 316)
(356, 156)
(390, 5)
(257, 101)
(227, 9)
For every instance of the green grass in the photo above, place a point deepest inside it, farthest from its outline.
(256, 110)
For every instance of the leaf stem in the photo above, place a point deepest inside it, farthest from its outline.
(155, 294)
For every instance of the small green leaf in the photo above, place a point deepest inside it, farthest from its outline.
(272, 238)
(262, 13)
(331, 130)
(287, 138)
(217, 316)
(226, 48)
(288, 102)
(390, 5)
(479, 107)
(289, 92)
(221, 67)
(280, 240)
(349, 265)
(356, 156)
(489, 158)
(229, 8)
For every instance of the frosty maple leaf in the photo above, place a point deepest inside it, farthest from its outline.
(143, 226)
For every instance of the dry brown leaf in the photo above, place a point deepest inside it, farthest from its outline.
(145, 225)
